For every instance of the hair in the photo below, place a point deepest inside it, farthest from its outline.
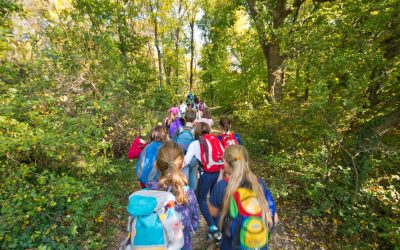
(236, 157)
(206, 113)
(190, 115)
(170, 163)
(225, 123)
(158, 133)
(201, 128)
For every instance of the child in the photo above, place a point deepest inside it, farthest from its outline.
(190, 170)
(238, 175)
(228, 137)
(182, 109)
(170, 163)
(145, 170)
(206, 117)
(172, 122)
(209, 174)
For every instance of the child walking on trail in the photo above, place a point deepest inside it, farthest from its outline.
(173, 122)
(255, 207)
(184, 137)
(207, 149)
(228, 137)
(206, 117)
(170, 163)
(145, 170)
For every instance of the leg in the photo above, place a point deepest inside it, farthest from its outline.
(206, 181)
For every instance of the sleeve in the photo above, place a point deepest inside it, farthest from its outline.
(269, 198)
(217, 195)
(193, 151)
(237, 137)
(194, 210)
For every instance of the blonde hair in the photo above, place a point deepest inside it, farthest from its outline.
(170, 163)
(236, 157)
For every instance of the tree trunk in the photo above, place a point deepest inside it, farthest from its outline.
(191, 53)
(271, 48)
(156, 43)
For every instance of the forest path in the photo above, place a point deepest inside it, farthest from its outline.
(292, 232)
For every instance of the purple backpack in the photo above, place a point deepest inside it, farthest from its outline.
(174, 126)
(201, 106)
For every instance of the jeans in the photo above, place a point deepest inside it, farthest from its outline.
(190, 171)
(205, 186)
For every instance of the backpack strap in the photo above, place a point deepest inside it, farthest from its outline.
(140, 169)
(203, 151)
(236, 232)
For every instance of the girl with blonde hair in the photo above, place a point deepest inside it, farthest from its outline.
(170, 163)
(238, 175)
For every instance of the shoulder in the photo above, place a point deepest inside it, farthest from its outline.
(152, 185)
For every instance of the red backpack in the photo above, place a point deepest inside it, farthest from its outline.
(212, 153)
(136, 148)
(229, 139)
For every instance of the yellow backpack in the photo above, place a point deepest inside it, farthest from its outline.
(244, 221)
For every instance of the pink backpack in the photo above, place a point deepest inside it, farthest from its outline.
(136, 148)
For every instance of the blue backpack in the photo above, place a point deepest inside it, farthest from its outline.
(184, 137)
(145, 169)
(153, 222)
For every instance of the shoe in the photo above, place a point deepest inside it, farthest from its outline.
(214, 234)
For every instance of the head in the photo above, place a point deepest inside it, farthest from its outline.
(201, 129)
(225, 124)
(190, 115)
(170, 163)
(238, 171)
(206, 113)
(173, 112)
(158, 133)
(181, 101)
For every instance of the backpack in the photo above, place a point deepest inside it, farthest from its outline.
(145, 169)
(153, 222)
(174, 126)
(184, 137)
(212, 153)
(136, 148)
(201, 106)
(229, 139)
(243, 222)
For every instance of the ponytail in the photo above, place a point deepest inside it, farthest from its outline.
(170, 162)
(236, 157)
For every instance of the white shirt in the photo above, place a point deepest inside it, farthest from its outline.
(193, 150)
(182, 108)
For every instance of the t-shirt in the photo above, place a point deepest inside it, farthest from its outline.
(217, 198)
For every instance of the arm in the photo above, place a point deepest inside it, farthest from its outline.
(271, 203)
(214, 211)
(193, 151)
(194, 208)
(217, 198)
